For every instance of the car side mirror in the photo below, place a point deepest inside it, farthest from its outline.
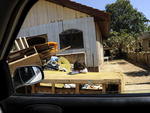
(28, 75)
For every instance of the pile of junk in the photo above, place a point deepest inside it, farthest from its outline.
(45, 55)
(56, 63)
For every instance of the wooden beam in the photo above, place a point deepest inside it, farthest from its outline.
(26, 42)
(21, 42)
(53, 88)
(104, 88)
(17, 45)
(77, 89)
(33, 89)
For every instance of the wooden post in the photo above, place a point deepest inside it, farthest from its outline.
(17, 45)
(53, 88)
(22, 43)
(77, 89)
(33, 89)
(35, 49)
(26, 42)
(104, 88)
(119, 88)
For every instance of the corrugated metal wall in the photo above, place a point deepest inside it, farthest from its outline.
(86, 25)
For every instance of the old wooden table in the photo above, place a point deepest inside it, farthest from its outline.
(104, 78)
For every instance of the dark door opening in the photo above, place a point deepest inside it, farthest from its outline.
(73, 38)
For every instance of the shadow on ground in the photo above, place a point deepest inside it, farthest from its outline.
(138, 73)
(120, 63)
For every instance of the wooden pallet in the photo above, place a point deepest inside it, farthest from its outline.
(106, 79)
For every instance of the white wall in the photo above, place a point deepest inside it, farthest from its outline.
(87, 25)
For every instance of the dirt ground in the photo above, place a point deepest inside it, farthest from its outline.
(137, 79)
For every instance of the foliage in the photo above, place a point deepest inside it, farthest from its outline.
(147, 28)
(124, 16)
(122, 42)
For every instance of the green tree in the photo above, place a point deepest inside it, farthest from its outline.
(124, 16)
(147, 28)
(122, 42)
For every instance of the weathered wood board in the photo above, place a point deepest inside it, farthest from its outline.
(44, 12)
(32, 60)
(104, 78)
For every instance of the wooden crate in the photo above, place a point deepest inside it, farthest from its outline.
(33, 60)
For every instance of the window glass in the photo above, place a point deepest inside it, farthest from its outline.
(82, 48)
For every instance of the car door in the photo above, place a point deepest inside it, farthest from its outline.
(12, 15)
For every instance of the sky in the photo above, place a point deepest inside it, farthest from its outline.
(141, 5)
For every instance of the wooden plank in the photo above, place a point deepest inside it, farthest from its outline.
(104, 88)
(20, 54)
(77, 89)
(99, 46)
(48, 89)
(82, 76)
(95, 78)
(53, 88)
(120, 89)
(32, 60)
(80, 81)
(92, 40)
(67, 90)
(16, 43)
(60, 12)
(44, 12)
(87, 43)
(69, 13)
(103, 78)
(33, 89)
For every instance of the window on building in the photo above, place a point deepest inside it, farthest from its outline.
(73, 38)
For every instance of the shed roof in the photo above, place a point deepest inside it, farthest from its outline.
(103, 18)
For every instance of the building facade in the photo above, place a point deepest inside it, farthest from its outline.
(70, 24)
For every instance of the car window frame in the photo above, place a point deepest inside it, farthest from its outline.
(13, 37)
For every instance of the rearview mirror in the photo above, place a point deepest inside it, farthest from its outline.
(28, 75)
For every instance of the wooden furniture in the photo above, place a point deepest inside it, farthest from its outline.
(52, 78)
